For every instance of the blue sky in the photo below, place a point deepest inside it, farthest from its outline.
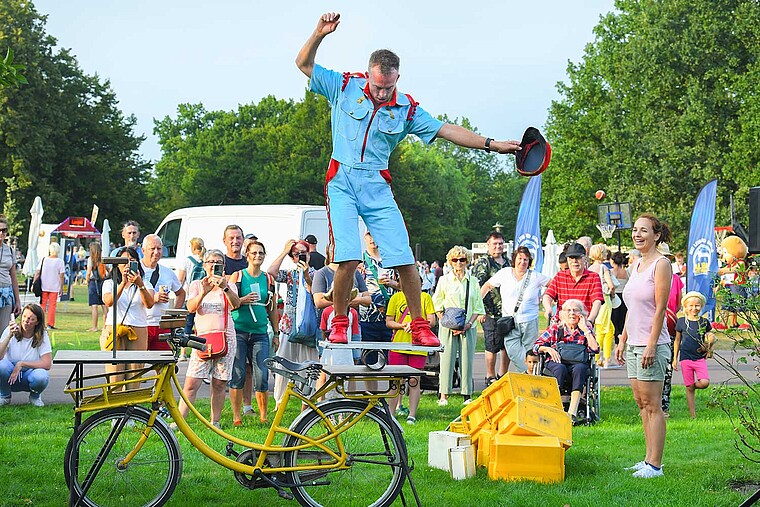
(496, 63)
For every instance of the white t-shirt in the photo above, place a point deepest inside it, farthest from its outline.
(23, 351)
(188, 268)
(52, 268)
(137, 315)
(509, 287)
(165, 277)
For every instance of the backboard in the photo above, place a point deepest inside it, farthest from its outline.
(616, 213)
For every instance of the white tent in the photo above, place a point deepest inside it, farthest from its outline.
(31, 260)
(105, 238)
(551, 255)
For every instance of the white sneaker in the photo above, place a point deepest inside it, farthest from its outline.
(648, 472)
(443, 402)
(5, 401)
(37, 402)
(638, 466)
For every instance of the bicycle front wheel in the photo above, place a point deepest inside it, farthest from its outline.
(373, 475)
(147, 480)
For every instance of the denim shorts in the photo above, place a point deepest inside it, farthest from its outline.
(656, 371)
(251, 348)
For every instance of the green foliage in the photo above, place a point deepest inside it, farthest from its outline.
(664, 100)
(62, 136)
(10, 73)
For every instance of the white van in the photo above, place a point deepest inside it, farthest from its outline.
(273, 225)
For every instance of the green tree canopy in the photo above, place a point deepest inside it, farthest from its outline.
(62, 136)
(665, 99)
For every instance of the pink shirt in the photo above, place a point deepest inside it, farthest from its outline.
(676, 287)
(211, 316)
(639, 297)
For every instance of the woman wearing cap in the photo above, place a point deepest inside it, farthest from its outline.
(644, 344)
(457, 289)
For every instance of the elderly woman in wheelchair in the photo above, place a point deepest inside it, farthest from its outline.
(568, 344)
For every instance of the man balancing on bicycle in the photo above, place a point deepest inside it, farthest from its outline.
(369, 118)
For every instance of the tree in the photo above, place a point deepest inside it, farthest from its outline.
(62, 136)
(664, 101)
(10, 73)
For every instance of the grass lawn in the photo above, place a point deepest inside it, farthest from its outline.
(701, 464)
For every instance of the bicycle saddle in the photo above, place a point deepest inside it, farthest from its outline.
(292, 366)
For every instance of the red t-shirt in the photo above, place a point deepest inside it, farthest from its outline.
(588, 288)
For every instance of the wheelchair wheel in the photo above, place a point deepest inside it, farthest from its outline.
(372, 475)
(150, 477)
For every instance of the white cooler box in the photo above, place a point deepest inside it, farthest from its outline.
(462, 462)
(439, 443)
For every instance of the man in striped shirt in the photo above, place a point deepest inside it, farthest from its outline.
(575, 283)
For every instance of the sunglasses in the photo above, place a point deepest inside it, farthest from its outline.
(4, 230)
(260, 254)
(214, 262)
(460, 259)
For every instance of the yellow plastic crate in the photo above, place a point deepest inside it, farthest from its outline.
(483, 442)
(533, 387)
(529, 417)
(476, 415)
(499, 393)
(458, 427)
(516, 457)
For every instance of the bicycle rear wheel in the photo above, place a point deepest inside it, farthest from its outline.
(373, 476)
(150, 477)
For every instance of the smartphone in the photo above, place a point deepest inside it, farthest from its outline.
(302, 257)
(134, 266)
(218, 270)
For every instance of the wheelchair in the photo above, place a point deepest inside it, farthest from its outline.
(589, 408)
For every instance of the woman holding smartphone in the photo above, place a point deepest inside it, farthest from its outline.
(212, 299)
(134, 296)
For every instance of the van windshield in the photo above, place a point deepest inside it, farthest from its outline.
(169, 234)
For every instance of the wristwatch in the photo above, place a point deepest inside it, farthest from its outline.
(226, 288)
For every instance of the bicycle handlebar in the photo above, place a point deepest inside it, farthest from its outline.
(178, 338)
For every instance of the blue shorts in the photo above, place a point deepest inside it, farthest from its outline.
(351, 193)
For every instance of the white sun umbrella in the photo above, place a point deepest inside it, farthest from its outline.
(30, 262)
(105, 238)
(551, 256)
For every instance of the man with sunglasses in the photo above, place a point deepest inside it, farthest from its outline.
(369, 119)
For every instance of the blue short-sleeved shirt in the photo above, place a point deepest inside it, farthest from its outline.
(364, 137)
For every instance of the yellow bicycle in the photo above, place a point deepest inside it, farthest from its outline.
(348, 451)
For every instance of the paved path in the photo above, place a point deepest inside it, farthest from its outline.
(59, 374)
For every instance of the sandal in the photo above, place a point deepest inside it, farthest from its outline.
(491, 380)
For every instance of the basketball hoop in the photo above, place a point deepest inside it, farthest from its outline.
(606, 230)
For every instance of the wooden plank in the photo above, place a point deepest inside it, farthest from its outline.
(378, 346)
(363, 371)
(106, 357)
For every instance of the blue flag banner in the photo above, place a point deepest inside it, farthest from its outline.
(528, 230)
(702, 262)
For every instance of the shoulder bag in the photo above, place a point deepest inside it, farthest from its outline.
(216, 342)
(571, 353)
(122, 331)
(37, 283)
(506, 324)
(456, 318)
(306, 325)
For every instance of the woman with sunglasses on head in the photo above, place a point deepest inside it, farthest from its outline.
(212, 299)
(258, 307)
(298, 252)
(134, 296)
(10, 303)
(457, 289)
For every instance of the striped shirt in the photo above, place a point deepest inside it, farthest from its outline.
(588, 288)
(553, 335)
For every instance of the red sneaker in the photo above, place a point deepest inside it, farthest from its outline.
(423, 335)
(339, 330)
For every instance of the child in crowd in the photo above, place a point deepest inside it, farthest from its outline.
(399, 321)
(532, 362)
(695, 341)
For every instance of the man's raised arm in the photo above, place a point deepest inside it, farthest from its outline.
(468, 139)
(326, 25)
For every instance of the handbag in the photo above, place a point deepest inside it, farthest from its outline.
(506, 324)
(216, 342)
(306, 325)
(616, 301)
(122, 331)
(37, 283)
(456, 318)
(573, 353)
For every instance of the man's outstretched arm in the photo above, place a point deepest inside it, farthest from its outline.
(468, 139)
(326, 25)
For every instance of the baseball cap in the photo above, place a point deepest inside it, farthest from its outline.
(575, 250)
(250, 236)
(535, 153)
(311, 239)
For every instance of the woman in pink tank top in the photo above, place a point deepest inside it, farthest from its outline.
(644, 344)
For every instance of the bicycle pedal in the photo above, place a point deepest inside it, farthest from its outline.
(286, 495)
